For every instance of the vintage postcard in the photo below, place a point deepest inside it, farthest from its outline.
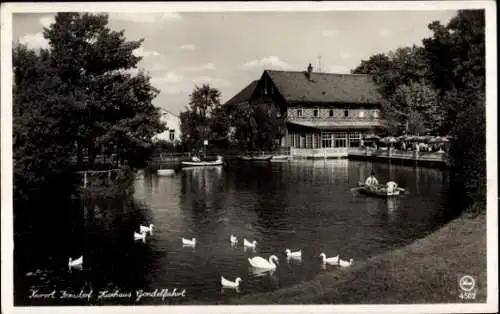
(249, 157)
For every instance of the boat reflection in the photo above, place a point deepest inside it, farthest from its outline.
(392, 207)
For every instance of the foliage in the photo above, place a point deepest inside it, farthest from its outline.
(94, 105)
(403, 79)
(204, 118)
(457, 57)
(111, 109)
(256, 127)
(41, 149)
(441, 86)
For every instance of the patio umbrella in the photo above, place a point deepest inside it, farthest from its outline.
(372, 138)
(389, 140)
(442, 140)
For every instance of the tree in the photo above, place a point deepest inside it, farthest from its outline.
(256, 126)
(41, 148)
(91, 61)
(457, 57)
(93, 104)
(204, 118)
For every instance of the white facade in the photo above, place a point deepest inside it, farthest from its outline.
(173, 127)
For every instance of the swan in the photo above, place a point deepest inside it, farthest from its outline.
(343, 263)
(230, 284)
(139, 236)
(145, 229)
(187, 242)
(291, 254)
(259, 262)
(330, 260)
(233, 239)
(75, 263)
(249, 244)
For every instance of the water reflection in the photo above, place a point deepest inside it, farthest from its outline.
(304, 206)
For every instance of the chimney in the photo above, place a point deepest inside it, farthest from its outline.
(309, 72)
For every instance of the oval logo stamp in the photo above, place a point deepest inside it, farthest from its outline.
(467, 283)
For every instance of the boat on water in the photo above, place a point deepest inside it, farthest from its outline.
(280, 158)
(377, 191)
(255, 158)
(203, 163)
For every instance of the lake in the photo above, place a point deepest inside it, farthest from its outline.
(299, 205)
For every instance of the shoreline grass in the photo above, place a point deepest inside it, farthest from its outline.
(425, 271)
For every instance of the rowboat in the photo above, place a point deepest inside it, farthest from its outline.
(256, 158)
(280, 158)
(377, 191)
(202, 163)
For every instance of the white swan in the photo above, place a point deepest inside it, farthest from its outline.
(145, 229)
(259, 262)
(330, 260)
(139, 236)
(75, 263)
(343, 263)
(230, 284)
(296, 254)
(247, 243)
(187, 242)
(233, 239)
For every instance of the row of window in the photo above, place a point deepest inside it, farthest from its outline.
(361, 113)
(324, 140)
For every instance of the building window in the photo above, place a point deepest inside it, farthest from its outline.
(340, 139)
(326, 140)
(299, 112)
(171, 135)
(361, 114)
(346, 113)
(315, 112)
(331, 113)
(309, 140)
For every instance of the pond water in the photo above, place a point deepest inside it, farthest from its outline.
(306, 205)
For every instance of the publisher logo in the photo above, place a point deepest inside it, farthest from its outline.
(467, 283)
(467, 286)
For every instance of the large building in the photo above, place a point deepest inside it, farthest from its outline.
(173, 131)
(325, 113)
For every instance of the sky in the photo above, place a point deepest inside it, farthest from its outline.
(228, 50)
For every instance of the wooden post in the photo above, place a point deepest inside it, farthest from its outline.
(85, 179)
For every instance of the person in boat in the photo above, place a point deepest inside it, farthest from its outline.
(391, 186)
(195, 158)
(371, 181)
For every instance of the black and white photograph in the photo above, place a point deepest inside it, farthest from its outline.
(249, 157)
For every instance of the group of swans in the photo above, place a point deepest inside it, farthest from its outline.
(335, 261)
(143, 231)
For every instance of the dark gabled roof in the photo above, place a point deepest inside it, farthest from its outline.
(244, 95)
(325, 87)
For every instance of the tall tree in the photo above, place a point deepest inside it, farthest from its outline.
(457, 58)
(204, 118)
(41, 147)
(91, 61)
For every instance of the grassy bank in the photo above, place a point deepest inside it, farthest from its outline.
(425, 271)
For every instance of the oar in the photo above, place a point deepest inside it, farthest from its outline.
(357, 188)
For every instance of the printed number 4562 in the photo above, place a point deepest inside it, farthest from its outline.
(467, 295)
